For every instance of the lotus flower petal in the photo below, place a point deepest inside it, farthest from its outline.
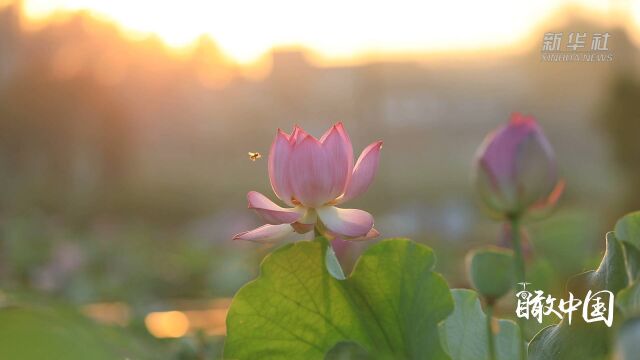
(544, 207)
(349, 223)
(297, 135)
(278, 160)
(339, 152)
(536, 171)
(310, 173)
(269, 211)
(363, 172)
(372, 234)
(265, 233)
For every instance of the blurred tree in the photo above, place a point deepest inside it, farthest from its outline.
(621, 120)
(62, 132)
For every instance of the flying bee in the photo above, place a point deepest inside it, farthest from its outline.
(253, 156)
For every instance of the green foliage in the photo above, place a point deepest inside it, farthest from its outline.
(581, 340)
(35, 333)
(348, 351)
(491, 271)
(464, 333)
(628, 300)
(628, 228)
(618, 273)
(628, 346)
(390, 306)
(562, 243)
(628, 231)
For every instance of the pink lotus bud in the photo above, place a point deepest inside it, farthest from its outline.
(516, 168)
(313, 176)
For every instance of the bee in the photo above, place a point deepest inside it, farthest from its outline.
(253, 156)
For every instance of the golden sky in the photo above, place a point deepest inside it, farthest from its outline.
(334, 29)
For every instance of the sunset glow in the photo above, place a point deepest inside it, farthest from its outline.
(334, 29)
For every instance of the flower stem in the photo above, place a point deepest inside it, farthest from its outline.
(517, 249)
(316, 232)
(520, 275)
(490, 335)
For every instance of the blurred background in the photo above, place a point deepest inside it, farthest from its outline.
(124, 132)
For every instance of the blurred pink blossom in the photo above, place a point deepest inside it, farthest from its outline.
(516, 168)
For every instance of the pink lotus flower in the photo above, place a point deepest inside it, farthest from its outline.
(313, 176)
(516, 169)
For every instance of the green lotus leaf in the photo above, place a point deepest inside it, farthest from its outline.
(464, 333)
(389, 307)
